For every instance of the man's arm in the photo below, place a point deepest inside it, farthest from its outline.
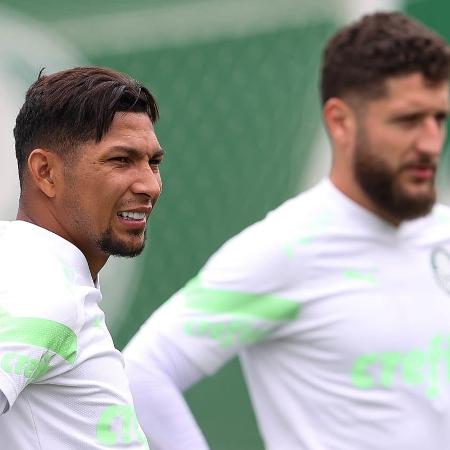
(157, 385)
(236, 300)
(160, 368)
(37, 329)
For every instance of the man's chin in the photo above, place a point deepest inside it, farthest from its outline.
(117, 247)
(423, 192)
(414, 204)
(128, 252)
(419, 192)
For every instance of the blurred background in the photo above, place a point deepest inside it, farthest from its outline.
(236, 81)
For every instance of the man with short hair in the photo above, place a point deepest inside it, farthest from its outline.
(88, 160)
(338, 302)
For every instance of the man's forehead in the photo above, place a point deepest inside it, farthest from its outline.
(128, 127)
(130, 132)
(131, 119)
(413, 91)
(409, 85)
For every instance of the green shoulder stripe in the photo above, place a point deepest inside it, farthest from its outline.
(53, 336)
(258, 306)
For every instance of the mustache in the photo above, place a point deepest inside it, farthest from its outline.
(423, 162)
(144, 201)
(137, 204)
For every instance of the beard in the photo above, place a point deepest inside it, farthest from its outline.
(108, 244)
(383, 186)
(106, 241)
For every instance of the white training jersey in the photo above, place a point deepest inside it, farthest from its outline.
(63, 379)
(341, 322)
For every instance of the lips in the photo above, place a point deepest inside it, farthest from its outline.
(134, 218)
(421, 171)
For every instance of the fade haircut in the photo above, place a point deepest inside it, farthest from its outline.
(68, 108)
(360, 57)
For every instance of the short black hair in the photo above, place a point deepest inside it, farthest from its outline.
(361, 56)
(67, 108)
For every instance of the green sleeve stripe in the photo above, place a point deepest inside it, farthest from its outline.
(258, 306)
(48, 334)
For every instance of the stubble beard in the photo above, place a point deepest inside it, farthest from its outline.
(383, 185)
(108, 244)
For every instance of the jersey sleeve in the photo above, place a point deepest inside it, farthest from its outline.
(39, 322)
(241, 297)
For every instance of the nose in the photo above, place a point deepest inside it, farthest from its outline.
(147, 182)
(432, 136)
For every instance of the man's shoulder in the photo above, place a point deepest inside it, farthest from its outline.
(298, 209)
(306, 210)
(8, 231)
(441, 212)
(438, 221)
(262, 253)
(18, 237)
(35, 282)
(300, 215)
(25, 257)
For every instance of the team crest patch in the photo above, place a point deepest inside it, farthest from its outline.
(440, 262)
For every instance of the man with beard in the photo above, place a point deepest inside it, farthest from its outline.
(338, 302)
(88, 162)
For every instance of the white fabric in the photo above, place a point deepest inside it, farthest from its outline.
(341, 321)
(161, 388)
(64, 381)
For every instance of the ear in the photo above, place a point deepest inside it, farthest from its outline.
(44, 167)
(340, 121)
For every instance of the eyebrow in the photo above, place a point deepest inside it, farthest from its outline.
(159, 153)
(418, 113)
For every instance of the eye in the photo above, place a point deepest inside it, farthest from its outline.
(410, 119)
(119, 159)
(441, 118)
(155, 163)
